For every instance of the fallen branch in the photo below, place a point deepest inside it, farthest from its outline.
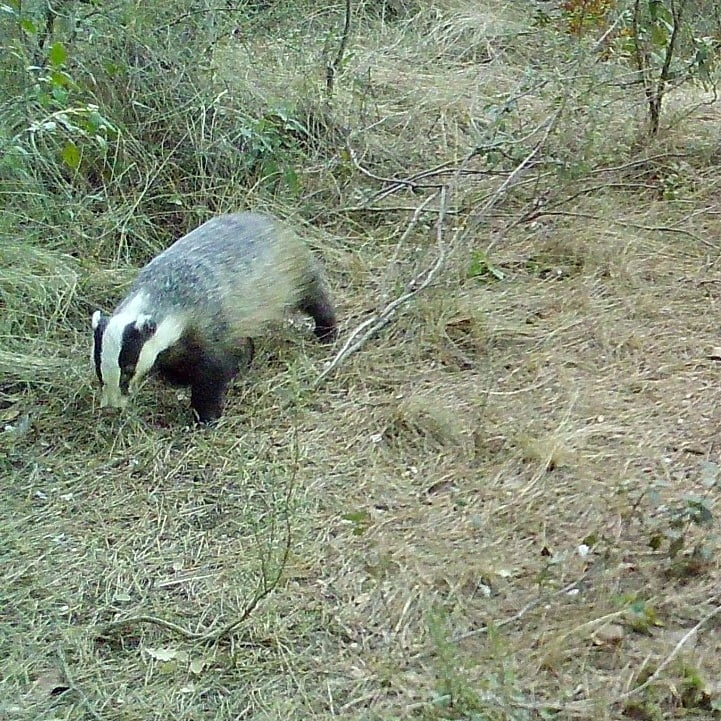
(333, 67)
(677, 648)
(371, 326)
(265, 586)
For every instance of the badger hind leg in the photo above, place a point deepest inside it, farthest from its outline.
(317, 304)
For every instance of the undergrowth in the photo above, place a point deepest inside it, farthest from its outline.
(503, 496)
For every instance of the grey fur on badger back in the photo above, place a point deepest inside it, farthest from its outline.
(193, 310)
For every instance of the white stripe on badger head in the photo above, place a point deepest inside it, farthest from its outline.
(166, 334)
(110, 395)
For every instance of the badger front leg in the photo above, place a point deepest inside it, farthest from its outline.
(211, 377)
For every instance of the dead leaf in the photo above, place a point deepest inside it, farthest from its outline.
(462, 322)
(197, 665)
(440, 486)
(609, 635)
(49, 684)
(9, 414)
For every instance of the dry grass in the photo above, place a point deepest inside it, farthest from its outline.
(472, 498)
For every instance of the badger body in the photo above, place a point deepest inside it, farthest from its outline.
(192, 312)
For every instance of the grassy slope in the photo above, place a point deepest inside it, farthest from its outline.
(444, 478)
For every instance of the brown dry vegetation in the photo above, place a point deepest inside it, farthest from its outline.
(482, 501)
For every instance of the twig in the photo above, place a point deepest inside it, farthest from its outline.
(70, 682)
(332, 68)
(677, 648)
(511, 619)
(369, 327)
(550, 125)
(417, 285)
(412, 224)
(412, 181)
(630, 224)
(611, 28)
(265, 587)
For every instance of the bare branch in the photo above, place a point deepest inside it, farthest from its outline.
(332, 68)
(421, 281)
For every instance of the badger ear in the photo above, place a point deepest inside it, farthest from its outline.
(97, 318)
(145, 325)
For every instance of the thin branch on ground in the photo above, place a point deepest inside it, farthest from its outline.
(265, 586)
(412, 181)
(420, 282)
(72, 685)
(550, 124)
(395, 183)
(485, 628)
(332, 68)
(368, 328)
(630, 224)
(676, 650)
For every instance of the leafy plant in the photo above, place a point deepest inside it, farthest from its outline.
(582, 16)
(480, 267)
(666, 50)
(681, 524)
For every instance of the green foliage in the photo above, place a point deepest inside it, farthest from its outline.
(118, 112)
(117, 134)
(582, 16)
(661, 40)
(481, 268)
(681, 530)
(667, 42)
(494, 697)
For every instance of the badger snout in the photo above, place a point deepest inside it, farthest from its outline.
(110, 399)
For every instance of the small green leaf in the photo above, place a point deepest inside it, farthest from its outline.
(360, 520)
(292, 181)
(356, 516)
(59, 79)
(60, 95)
(709, 473)
(269, 169)
(699, 511)
(659, 36)
(95, 121)
(675, 546)
(480, 267)
(654, 497)
(71, 155)
(29, 26)
(57, 55)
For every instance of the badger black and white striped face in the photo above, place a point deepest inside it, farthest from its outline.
(125, 348)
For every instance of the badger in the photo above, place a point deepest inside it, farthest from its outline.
(193, 311)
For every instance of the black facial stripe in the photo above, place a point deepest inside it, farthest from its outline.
(98, 345)
(130, 347)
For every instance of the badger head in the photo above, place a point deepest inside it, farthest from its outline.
(125, 348)
(123, 353)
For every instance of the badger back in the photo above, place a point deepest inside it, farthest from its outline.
(237, 272)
